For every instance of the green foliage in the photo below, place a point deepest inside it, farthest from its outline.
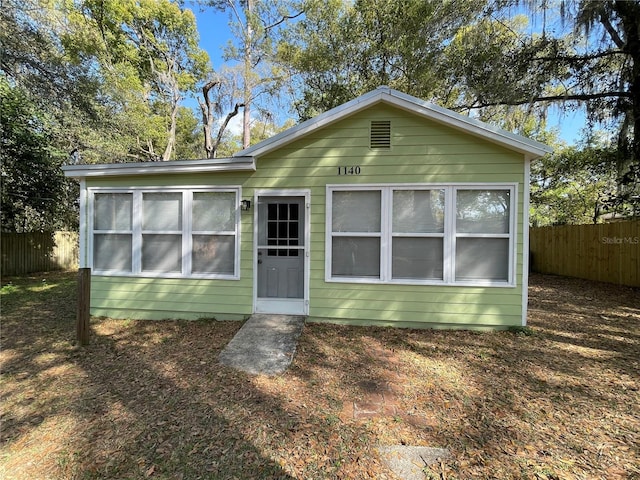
(574, 186)
(343, 49)
(149, 52)
(479, 57)
(102, 79)
(35, 195)
(254, 79)
(522, 331)
(189, 139)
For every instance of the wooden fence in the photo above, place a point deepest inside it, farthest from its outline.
(608, 252)
(38, 252)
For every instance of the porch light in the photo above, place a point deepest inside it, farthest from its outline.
(245, 205)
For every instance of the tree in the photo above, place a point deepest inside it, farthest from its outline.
(158, 39)
(481, 58)
(35, 194)
(256, 26)
(33, 58)
(343, 49)
(211, 108)
(570, 186)
(591, 61)
(188, 135)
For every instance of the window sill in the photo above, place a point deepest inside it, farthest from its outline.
(435, 283)
(108, 273)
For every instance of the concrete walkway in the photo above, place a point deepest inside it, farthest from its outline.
(264, 345)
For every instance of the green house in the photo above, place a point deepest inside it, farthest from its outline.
(386, 210)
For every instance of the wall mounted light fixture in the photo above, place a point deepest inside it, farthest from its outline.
(245, 205)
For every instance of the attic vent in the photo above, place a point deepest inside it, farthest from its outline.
(380, 134)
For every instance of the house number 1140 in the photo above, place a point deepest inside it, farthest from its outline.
(349, 170)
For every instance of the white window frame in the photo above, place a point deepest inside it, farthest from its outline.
(186, 233)
(449, 237)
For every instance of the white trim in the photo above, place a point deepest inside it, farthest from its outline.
(83, 260)
(136, 227)
(530, 148)
(235, 164)
(283, 306)
(185, 232)
(525, 240)
(449, 235)
(449, 253)
(512, 235)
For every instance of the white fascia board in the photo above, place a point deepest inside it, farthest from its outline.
(315, 123)
(530, 148)
(235, 164)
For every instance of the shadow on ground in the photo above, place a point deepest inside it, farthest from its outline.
(150, 400)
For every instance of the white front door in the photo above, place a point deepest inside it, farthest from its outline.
(281, 254)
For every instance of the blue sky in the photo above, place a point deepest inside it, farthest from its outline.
(213, 27)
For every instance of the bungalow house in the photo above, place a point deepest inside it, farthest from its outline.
(386, 210)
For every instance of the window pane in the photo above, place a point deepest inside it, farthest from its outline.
(213, 254)
(112, 252)
(418, 211)
(482, 259)
(214, 211)
(283, 211)
(162, 253)
(162, 211)
(419, 258)
(355, 257)
(272, 211)
(357, 211)
(482, 211)
(283, 230)
(112, 211)
(293, 211)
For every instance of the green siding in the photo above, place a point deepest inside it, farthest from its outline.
(422, 152)
(162, 298)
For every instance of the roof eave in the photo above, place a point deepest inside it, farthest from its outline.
(235, 164)
(330, 116)
(530, 148)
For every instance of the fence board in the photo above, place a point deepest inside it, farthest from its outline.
(608, 252)
(38, 252)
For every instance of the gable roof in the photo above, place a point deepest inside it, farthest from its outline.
(530, 148)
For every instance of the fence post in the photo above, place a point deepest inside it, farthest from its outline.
(84, 302)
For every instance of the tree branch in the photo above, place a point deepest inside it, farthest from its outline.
(552, 98)
(612, 31)
(227, 119)
(282, 20)
(575, 58)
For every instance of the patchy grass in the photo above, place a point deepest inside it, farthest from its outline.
(558, 400)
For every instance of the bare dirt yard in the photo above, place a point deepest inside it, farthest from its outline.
(558, 400)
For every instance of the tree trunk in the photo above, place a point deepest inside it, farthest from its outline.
(248, 54)
(207, 119)
(171, 133)
(629, 13)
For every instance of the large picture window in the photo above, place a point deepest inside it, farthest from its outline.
(166, 232)
(444, 234)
